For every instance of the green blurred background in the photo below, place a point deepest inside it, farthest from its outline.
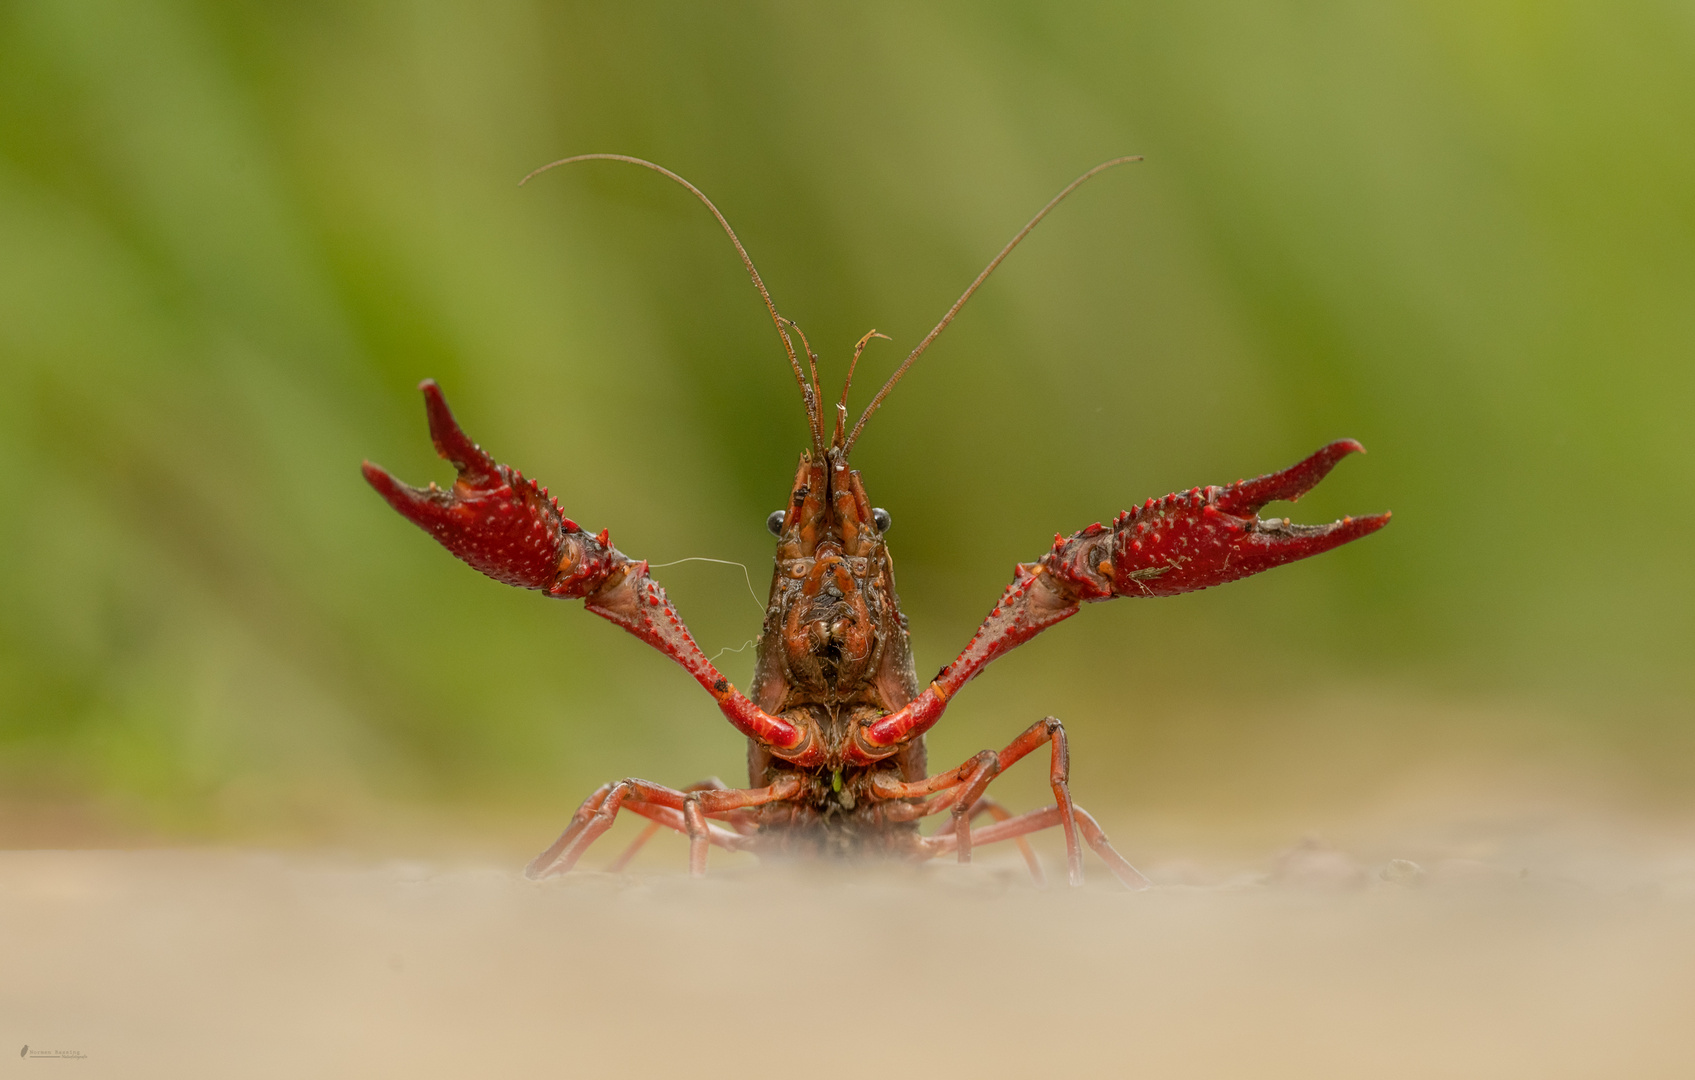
(235, 235)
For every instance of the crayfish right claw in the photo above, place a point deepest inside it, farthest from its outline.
(1245, 498)
(1203, 537)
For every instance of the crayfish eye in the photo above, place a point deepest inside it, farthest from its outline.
(774, 523)
(882, 518)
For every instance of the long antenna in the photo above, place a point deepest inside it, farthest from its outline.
(987, 270)
(807, 392)
(806, 347)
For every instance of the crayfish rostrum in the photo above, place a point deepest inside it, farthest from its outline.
(834, 716)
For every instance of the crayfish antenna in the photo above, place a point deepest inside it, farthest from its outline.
(807, 393)
(841, 406)
(987, 270)
(814, 414)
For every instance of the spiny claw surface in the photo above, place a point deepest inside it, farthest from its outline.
(476, 469)
(510, 529)
(1244, 498)
(1205, 536)
(492, 517)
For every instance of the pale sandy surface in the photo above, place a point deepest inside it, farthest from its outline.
(1542, 961)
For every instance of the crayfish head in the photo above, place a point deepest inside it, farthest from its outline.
(833, 631)
(830, 634)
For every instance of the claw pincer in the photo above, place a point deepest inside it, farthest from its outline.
(1186, 541)
(1205, 536)
(495, 519)
(509, 528)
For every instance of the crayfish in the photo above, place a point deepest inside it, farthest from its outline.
(834, 714)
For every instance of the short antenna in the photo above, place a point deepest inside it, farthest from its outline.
(987, 270)
(841, 406)
(808, 393)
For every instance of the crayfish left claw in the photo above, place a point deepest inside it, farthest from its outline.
(510, 529)
(493, 517)
(476, 469)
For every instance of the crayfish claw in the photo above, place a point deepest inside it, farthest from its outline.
(492, 517)
(475, 467)
(1245, 497)
(1204, 536)
(403, 497)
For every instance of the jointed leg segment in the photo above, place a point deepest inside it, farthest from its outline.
(737, 819)
(986, 805)
(961, 789)
(685, 812)
(692, 811)
(1047, 818)
(1050, 730)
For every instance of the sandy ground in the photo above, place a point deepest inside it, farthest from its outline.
(1309, 962)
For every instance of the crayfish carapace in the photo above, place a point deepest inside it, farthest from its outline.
(835, 717)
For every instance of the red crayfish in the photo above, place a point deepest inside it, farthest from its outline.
(834, 715)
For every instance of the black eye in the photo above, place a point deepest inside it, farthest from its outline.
(881, 517)
(775, 522)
